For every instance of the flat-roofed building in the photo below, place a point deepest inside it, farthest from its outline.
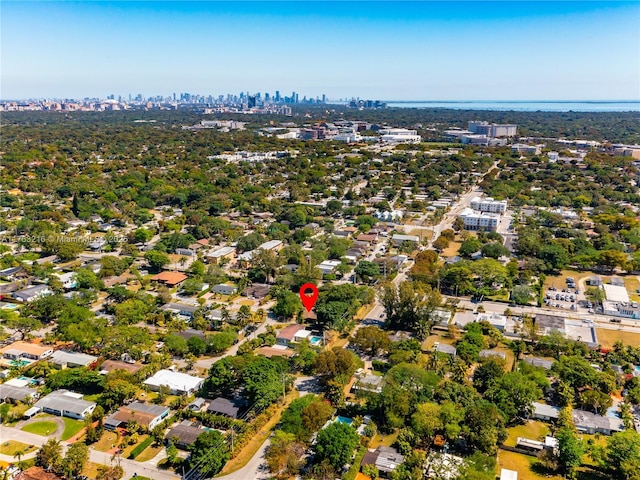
(479, 221)
(488, 204)
(177, 382)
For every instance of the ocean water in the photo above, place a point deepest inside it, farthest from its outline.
(526, 106)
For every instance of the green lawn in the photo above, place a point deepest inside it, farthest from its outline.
(531, 430)
(11, 447)
(43, 428)
(71, 427)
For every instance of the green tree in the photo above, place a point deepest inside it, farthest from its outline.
(50, 455)
(288, 304)
(75, 459)
(156, 259)
(622, 454)
(336, 444)
(371, 339)
(208, 453)
(570, 450)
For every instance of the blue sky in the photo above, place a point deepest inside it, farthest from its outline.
(381, 50)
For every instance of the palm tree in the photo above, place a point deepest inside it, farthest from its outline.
(261, 315)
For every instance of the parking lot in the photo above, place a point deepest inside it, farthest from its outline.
(568, 298)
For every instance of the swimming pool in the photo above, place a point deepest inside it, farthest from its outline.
(315, 340)
(19, 363)
(32, 381)
(9, 306)
(345, 420)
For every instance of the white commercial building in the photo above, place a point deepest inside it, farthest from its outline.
(400, 135)
(488, 204)
(480, 221)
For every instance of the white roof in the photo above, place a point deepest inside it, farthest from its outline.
(174, 380)
(508, 474)
(221, 252)
(270, 245)
(302, 334)
(615, 293)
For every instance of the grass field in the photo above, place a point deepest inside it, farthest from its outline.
(521, 464)
(530, 430)
(90, 470)
(148, 453)
(12, 447)
(383, 440)
(71, 428)
(560, 281)
(43, 428)
(127, 451)
(607, 337)
(452, 249)
(632, 284)
(106, 442)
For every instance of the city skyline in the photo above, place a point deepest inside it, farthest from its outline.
(400, 51)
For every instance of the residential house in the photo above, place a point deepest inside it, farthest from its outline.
(170, 279)
(185, 252)
(256, 291)
(399, 239)
(444, 348)
(224, 253)
(145, 415)
(35, 473)
(180, 309)
(14, 394)
(591, 423)
(183, 435)
(224, 406)
(24, 350)
(287, 335)
(368, 383)
(32, 293)
(63, 359)
(545, 412)
(386, 459)
(64, 403)
(225, 289)
(68, 280)
(178, 383)
(538, 362)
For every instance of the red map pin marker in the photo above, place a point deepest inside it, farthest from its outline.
(308, 300)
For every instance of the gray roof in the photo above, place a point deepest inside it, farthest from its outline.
(180, 307)
(186, 433)
(584, 419)
(445, 348)
(156, 410)
(58, 400)
(539, 362)
(492, 353)
(14, 393)
(549, 322)
(546, 410)
(61, 357)
(30, 291)
(224, 406)
(388, 459)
